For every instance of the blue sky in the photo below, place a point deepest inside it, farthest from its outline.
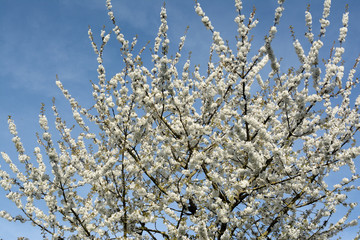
(42, 38)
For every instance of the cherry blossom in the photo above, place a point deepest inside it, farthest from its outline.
(167, 150)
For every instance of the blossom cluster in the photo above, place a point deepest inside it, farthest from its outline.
(167, 152)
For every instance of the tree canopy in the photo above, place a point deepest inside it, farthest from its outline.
(240, 149)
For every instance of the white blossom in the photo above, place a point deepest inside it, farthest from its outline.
(344, 29)
(243, 149)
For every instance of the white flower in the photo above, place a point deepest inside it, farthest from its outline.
(357, 102)
(199, 10)
(326, 11)
(244, 184)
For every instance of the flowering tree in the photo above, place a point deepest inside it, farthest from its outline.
(241, 151)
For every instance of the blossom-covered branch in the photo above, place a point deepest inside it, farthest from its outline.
(243, 151)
